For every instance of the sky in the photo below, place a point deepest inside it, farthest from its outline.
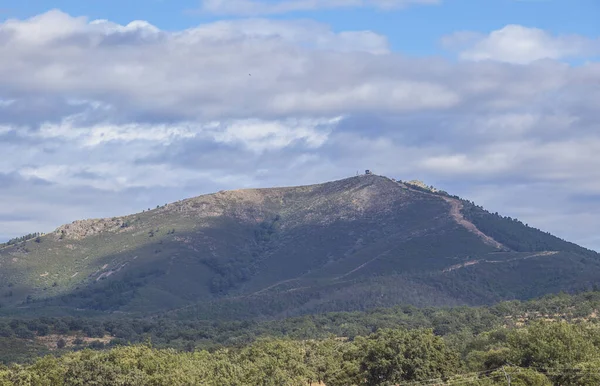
(109, 108)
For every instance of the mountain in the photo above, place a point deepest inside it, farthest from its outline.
(344, 245)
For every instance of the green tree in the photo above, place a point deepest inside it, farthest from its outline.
(270, 362)
(553, 344)
(333, 362)
(61, 343)
(393, 356)
(520, 377)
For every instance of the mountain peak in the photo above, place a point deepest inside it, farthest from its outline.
(356, 242)
(222, 202)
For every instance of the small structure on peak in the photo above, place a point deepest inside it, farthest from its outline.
(368, 172)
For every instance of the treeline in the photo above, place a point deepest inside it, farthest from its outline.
(516, 235)
(543, 353)
(21, 239)
(509, 231)
(190, 335)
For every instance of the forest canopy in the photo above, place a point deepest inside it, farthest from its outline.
(554, 340)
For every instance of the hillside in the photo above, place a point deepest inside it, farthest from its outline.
(350, 244)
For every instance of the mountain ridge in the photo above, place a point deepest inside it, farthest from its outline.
(349, 244)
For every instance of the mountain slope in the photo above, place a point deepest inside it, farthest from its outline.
(350, 244)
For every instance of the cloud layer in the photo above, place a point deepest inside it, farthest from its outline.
(100, 119)
(521, 45)
(261, 8)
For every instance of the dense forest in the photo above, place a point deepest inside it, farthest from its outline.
(551, 340)
(542, 353)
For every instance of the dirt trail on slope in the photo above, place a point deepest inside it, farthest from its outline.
(455, 211)
(272, 286)
(473, 262)
(363, 265)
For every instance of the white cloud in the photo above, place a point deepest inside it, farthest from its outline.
(97, 134)
(254, 134)
(101, 119)
(259, 136)
(520, 45)
(257, 7)
(304, 33)
(203, 72)
(391, 95)
(43, 28)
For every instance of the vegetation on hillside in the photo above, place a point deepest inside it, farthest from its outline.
(31, 236)
(516, 235)
(287, 261)
(509, 231)
(352, 244)
(27, 337)
(542, 353)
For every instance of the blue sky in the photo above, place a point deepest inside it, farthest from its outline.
(493, 100)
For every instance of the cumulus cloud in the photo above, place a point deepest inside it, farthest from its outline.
(100, 119)
(204, 72)
(520, 45)
(257, 7)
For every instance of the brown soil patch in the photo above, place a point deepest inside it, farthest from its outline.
(455, 211)
(50, 341)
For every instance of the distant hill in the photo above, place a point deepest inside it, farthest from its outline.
(345, 245)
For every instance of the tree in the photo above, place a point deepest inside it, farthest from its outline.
(393, 356)
(553, 344)
(276, 362)
(333, 362)
(61, 343)
(43, 329)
